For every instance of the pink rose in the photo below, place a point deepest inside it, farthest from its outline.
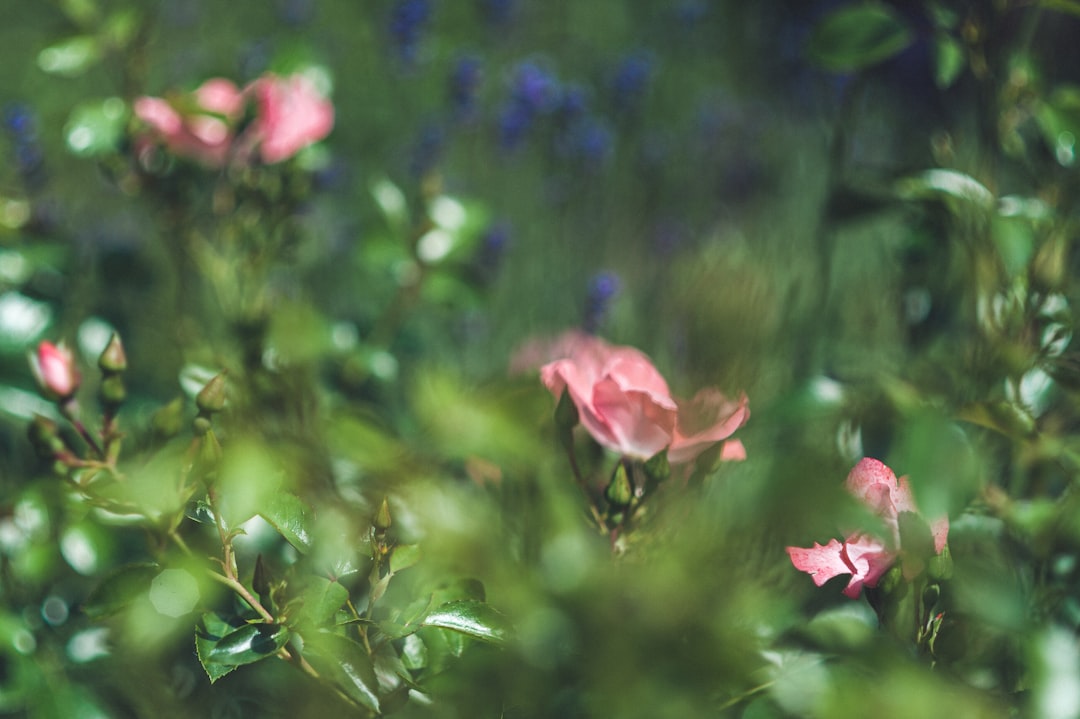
(292, 114)
(54, 368)
(625, 404)
(862, 556)
(198, 126)
(705, 420)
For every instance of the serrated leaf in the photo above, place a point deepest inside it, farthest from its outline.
(70, 57)
(292, 518)
(856, 37)
(212, 626)
(119, 588)
(346, 663)
(404, 556)
(472, 618)
(222, 646)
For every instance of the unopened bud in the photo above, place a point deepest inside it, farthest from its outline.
(112, 389)
(657, 468)
(566, 412)
(211, 398)
(200, 426)
(54, 368)
(209, 455)
(382, 519)
(620, 492)
(113, 359)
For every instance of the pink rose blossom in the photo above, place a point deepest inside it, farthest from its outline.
(625, 404)
(705, 420)
(292, 114)
(54, 368)
(860, 555)
(864, 557)
(198, 126)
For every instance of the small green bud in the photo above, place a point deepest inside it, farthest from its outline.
(619, 492)
(112, 389)
(382, 519)
(566, 412)
(113, 358)
(168, 420)
(211, 398)
(940, 566)
(209, 455)
(657, 467)
(200, 426)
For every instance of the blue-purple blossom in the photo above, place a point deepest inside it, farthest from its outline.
(493, 244)
(408, 19)
(603, 288)
(20, 125)
(631, 79)
(427, 150)
(533, 92)
(465, 80)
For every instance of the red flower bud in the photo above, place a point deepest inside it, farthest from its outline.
(54, 368)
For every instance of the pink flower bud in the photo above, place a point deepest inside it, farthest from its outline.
(198, 125)
(864, 557)
(292, 114)
(54, 368)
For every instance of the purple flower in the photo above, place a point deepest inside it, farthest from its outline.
(631, 79)
(603, 288)
(408, 18)
(465, 81)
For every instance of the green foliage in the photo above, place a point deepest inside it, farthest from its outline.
(307, 461)
(857, 36)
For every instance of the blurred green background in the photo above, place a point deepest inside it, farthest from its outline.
(870, 233)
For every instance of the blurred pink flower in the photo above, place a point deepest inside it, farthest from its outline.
(198, 126)
(705, 420)
(54, 368)
(292, 114)
(625, 404)
(862, 556)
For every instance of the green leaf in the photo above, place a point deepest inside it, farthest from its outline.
(1072, 7)
(414, 653)
(322, 599)
(1015, 241)
(224, 644)
(96, 128)
(948, 60)
(945, 183)
(404, 556)
(71, 57)
(119, 589)
(346, 663)
(853, 38)
(470, 617)
(291, 517)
